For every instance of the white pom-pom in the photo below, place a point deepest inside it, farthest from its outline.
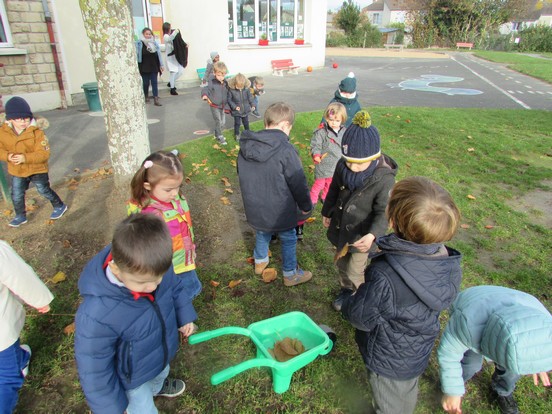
(351, 75)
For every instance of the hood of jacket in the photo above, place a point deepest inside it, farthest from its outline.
(94, 282)
(260, 146)
(431, 271)
(232, 83)
(345, 101)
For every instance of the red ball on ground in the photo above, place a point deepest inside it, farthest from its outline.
(335, 65)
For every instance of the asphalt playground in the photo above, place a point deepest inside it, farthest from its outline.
(384, 78)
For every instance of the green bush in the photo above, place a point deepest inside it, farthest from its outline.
(365, 35)
(536, 39)
(499, 43)
(336, 39)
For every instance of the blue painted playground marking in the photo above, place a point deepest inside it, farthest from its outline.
(423, 84)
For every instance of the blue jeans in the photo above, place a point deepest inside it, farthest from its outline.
(191, 283)
(237, 122)
(12, 360)
(140, 399)
(288, 240)
(503, 381)
(21, 184)
(256, 103)
(146, 79)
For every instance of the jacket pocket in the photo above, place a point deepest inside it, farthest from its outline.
(126, 361)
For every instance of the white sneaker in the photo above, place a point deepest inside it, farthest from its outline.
(25, 370)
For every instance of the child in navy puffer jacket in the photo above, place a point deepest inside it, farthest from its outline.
(128, 323)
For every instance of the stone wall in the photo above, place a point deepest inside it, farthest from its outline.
(34, 71)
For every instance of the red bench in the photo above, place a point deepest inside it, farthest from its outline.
(279, 66)
(464, 44)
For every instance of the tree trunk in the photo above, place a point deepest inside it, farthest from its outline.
(108, 25)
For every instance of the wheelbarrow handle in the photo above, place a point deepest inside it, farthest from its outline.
(205, 336)
(230, 372)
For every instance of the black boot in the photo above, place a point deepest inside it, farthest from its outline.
(173, 91)
(343, 295)
(168, 85)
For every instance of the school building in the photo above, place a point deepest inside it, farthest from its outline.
(45, 55)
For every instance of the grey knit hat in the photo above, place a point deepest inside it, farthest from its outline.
(348, 85)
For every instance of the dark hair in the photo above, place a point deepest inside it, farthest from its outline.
(166, 28)
(278, 112)
(146, 29)
(160, 165)
(421, 211)
(142, 244)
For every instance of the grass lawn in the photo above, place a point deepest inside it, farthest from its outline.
(537, 67)
(491, 161)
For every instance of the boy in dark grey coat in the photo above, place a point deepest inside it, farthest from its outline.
(274, 190)
(407, 284)
(354, 208)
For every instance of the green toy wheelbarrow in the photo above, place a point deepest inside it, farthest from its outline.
(264, 334)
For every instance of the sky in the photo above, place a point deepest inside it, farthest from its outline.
(334, 4)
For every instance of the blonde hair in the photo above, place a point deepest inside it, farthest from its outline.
(220, 67)
(239, 81)
(336, 109)
(259, 80)
(279, 112)
(156, 167)
(421, 211)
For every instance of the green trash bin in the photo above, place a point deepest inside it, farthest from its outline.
(92, 96)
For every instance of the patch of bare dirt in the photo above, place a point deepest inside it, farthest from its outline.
(537, 204)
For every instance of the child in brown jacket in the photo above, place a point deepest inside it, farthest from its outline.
(24, 147)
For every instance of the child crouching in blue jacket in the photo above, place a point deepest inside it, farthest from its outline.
(127, 325)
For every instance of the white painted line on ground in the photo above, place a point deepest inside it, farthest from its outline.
(523, 104)
(528, 86)
(518, 81)
(532, 92)
(540, 92)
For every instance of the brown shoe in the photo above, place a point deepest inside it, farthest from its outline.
(147, 99)
(259, 267)
(300, 276)
(156, 101)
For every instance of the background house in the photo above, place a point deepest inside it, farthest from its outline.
(537, 13)
(50, 77)
(383, 13)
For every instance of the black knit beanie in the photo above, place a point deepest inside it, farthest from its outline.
(361, 141)
(17, 108)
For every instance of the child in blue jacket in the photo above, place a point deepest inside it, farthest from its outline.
(510, 328)
(127, 325)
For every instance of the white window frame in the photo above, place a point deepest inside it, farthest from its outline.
(6, 26)
(258, 31)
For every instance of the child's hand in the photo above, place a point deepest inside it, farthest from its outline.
(238, 108)
(364, 243)
(452, 404)
(204, 97)
(326, 221)
(316, 159)
(187, 329)
(252, 108)
(543, 377)
(18, 158)
(43, 309)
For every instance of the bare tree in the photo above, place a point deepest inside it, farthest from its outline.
(108, 25)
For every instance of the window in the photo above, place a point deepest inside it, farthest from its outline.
(376, 18)
(147, 13)
(5, 34)
(278, 20)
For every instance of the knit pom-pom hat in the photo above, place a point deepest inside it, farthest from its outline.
(361, 141)
(348, 85)
(18, 107)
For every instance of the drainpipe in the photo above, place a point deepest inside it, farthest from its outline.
(59, 75)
